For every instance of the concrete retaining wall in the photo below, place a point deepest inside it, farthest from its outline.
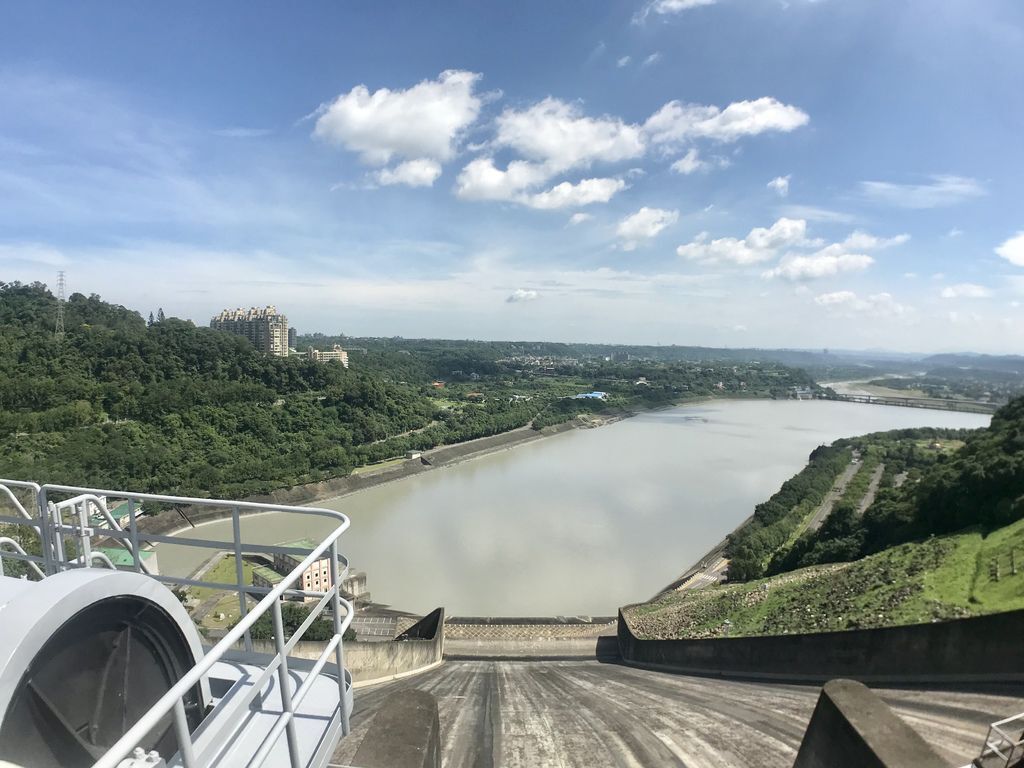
(538, 648)
(853, 728)
(415, 650)
(981, 649)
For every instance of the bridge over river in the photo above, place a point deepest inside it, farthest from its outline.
(934, 403)
(587, 713)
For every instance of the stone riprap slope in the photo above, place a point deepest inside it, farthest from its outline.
(946, 577)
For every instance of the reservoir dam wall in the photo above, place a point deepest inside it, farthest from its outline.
(418, 649)
(983, 649)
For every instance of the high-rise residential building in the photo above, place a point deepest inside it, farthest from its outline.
(293, 337)
(266, 329)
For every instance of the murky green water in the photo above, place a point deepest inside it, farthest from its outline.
(582, 522)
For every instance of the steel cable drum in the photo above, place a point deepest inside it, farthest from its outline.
(83, 655)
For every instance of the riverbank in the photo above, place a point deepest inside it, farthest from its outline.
(170, 522)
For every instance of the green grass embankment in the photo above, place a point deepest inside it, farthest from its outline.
(944, 577)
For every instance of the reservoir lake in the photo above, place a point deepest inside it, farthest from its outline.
(579, 523)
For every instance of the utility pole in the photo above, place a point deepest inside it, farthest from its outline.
(58, 330)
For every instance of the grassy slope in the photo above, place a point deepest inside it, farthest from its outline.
(941, 578)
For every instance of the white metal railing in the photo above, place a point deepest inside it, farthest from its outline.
(62, 519)
(1001, 748)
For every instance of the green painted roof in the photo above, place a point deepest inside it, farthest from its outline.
(267, 574)
(120, 556)
(299, 544)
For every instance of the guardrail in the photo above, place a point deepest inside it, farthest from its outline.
(1001, 748)
(64, 521)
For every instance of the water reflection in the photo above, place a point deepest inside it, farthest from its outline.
(582, 522)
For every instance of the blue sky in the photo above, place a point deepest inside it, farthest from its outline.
(829, 173)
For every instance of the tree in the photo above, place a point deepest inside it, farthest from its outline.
(151, 321)
(160, 315)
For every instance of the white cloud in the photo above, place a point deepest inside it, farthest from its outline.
(965, 291)
(1013, 250)
(954, 232)
(421, 172)
(877, 304)
(652, 59)
(677, 123)
(759, 245)
(644, 225)
(558, 135)
(782, 234)
(821, 264)
(567, 195)
(424, 121)
(863, 241)
(623, 61)
(668, 7)
(522, 294)
(554, 137)
(812, 213)
(845, 256)
(579, 218)
(837, 297)
(689, 163)
(942, 191)
(482, 180)
(780, 184)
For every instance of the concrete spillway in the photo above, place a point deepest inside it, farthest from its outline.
(586, 714)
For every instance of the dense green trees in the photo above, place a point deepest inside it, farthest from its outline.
(160, 405)
(178, 409)
(980, 485)
(775, 520)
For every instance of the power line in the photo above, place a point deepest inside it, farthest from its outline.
(58, 330)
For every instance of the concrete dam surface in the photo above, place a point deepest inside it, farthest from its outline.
(588, 714)
(582, 522)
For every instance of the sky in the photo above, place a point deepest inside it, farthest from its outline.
(807, 173)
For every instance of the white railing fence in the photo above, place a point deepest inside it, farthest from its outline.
(64, 524)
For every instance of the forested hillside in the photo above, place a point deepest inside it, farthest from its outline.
(166, 406)
(175, 408)
(978, 486)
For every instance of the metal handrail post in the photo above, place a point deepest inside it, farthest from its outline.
(185, 751)
(243, 605)
(339, 653)
(84, 531)
(133, 532)
(285, 683)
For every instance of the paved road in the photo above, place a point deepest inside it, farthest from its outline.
(588, 714)
(872, 491)
(835, 494)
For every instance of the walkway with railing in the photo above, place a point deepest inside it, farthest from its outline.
(57, 528)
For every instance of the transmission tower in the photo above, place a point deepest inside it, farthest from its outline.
(58, 331)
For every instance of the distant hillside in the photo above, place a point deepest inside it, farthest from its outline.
(173, 408)
(1001, 363)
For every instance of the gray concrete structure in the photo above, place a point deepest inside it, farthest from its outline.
(419, 648)
(586, 714)
(984, 648)
(853, 728)
(406, 733)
